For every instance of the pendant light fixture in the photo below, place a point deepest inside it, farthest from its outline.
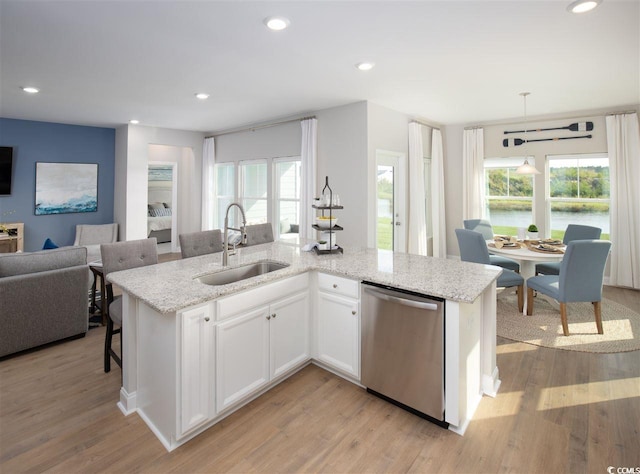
(526, 168)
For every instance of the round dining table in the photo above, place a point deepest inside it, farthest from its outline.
(527, 258)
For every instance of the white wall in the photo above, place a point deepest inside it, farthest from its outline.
(342, 156)
(270, 142)
(130, 207)
(120, 181)
(452, 150)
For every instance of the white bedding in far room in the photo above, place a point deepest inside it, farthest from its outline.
(158, 223)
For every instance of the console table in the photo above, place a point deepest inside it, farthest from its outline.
(13, 243)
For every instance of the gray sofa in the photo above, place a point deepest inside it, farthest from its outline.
(43, 297)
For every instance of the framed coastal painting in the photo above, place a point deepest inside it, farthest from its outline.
(63, 188)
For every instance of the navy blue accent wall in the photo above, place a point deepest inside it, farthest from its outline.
(56, 143)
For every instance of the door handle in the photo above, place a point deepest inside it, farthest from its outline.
(403, 301)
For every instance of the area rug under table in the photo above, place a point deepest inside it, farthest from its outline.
(621, 325)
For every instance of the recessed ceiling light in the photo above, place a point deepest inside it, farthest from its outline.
(581, 6)
(31, 90)
(134, 121)
(202, 95)
(365, 66)
(276, 23)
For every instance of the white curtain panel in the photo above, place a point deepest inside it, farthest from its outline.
(308, 156)
(623, 143)
(208, 183)
(437, 196)
(473, 174)
(417, 240)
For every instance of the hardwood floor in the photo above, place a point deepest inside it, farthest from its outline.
(557, 411)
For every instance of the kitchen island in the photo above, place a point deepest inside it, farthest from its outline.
(194, 353)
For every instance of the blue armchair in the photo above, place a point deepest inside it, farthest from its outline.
(580, 279)
(573, 232)
(484, 227)
(473, 248)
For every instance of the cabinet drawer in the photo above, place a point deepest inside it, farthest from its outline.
(338, 285)
(260, 295)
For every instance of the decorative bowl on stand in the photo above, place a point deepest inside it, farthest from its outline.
(326, 222)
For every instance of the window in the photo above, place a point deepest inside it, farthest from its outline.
(225, 189)
(268, 190)
(287, 196)
(578, 192)
(253, 192)
(508, 196)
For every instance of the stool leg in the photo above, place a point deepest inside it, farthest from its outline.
(107, 345)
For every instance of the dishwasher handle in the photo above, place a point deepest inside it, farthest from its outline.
(403, 301)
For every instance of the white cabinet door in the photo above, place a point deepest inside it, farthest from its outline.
(289, 329)
(242, 356)
(338, 332)
(196, 368)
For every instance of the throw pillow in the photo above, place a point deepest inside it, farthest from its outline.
(160, 212)
(49, 244)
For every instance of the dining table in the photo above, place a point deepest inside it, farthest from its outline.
(527, 254)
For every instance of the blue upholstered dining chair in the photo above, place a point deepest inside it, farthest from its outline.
(580, 279)
(484, 227)
(573, 232)
(473, 248)
(115, 257)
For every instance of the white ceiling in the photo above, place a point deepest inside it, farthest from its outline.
(102, 63)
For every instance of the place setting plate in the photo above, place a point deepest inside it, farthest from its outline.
(505, 242)
(546, 248)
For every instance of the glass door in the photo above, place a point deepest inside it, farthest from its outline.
(390, 201)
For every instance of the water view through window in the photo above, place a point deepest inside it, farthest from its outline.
(577, 187)
(509, 196)
(578, 192)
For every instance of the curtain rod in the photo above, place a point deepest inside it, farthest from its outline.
(625, 112)
(258, 127)
(425, 124)
(554, 119)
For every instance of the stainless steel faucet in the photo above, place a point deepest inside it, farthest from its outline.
(225, 250)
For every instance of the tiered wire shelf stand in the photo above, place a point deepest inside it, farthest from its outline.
(321, 206)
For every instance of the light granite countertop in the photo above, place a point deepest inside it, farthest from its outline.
(170, 286)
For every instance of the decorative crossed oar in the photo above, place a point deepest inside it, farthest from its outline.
(574, 127)
(518, 141)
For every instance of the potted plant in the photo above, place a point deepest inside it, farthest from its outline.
(322, 245)
(532, 231)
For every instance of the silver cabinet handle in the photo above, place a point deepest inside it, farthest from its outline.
(273, 315)
(206, 318)
(335, 286)
(353, 312)
(268, 316)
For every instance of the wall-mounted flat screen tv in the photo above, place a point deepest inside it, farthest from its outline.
(6, 168)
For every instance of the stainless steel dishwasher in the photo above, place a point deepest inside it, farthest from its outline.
(402, 351)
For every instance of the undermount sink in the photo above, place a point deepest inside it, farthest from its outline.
(242, 272)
